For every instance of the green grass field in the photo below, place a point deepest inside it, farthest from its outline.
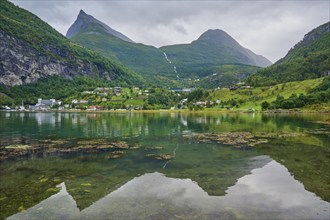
(252, 98)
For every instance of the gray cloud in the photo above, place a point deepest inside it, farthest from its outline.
(269, 28)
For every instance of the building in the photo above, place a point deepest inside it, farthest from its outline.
(44, 104)
(201, 103)
(117, 90)
(186, 90)
(75, 101)
(50, 102)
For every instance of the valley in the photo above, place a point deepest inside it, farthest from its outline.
(193, 123)
(47, 65)
(309, 95)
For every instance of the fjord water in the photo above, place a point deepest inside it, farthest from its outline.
(284, 178)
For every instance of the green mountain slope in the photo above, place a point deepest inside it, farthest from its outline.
(212, 48)
(144, 59)
(286, 95)
(31, 49)
(167, 65)
(225, 75)
(308, 59)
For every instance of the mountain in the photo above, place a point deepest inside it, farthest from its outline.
(87, 23)
(224, 75)
(30, 49)
(212, 48)
(308, 59)
(163, 66)
(95, 35)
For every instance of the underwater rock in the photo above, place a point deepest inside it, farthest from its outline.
(57, 180)
(228, 138)
(43, 180)
(53, 142)
(115, 154)
(17, 151)
(135, 146)
(325, 122)
(254, 142)
(240, 139)
(91, 142)
(93, 148)
(18, 146)
(102, 144)
(161, 156)
(154, 148)
(53, 190)
(21, 209)
(277, 135)
(319, 131)
(120, 144)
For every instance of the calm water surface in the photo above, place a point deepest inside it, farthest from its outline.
(285, 178)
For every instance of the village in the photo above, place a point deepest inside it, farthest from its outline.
(117, 98)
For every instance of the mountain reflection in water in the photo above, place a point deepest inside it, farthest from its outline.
(267, 193)
(211, 174)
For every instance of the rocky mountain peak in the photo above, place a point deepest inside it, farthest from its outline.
(82, 13)
(214, 33)
(217, 36)
(87, 23)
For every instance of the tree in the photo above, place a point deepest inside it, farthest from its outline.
(265, 105)
(197, 95)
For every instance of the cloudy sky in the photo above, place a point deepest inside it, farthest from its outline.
(267, 27)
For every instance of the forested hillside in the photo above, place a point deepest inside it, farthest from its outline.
(308, 59)
(213, 48)
(147, 60)
(173, 65)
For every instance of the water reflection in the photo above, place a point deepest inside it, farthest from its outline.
(269, 192)
(110, 125)
(193, 184)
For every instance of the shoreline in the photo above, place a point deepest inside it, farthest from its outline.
(275, 111)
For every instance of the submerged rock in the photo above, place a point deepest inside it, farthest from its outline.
(253, 142)
(325, 122)
(49, 147)
(120, 144)
(91, 142)
(115, 154)
(228, 138)
(240, 139)
(277, 135)
(154, 148)
(135, 146)
(18, 146)
(161, 156)
(53, 190)
(53, 143)
(319, 131)
(102, 144)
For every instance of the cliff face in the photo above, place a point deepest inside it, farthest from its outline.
(20, 63)
(31, 49)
